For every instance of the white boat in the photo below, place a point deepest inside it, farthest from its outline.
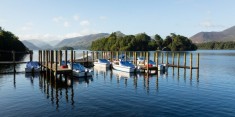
(125, 66)
(80, 71)
(142, 63)
(102, 63)
(32, 67)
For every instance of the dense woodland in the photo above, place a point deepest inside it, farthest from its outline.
(143, 42)
(230, 45)
(9, 42)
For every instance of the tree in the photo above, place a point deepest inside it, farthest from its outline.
(9, 42)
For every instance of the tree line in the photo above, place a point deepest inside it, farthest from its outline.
(10, 42)
(230, 45)
(143, 42)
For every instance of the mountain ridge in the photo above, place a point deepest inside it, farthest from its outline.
(225, 35)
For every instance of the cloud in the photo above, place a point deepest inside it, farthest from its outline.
(66, 24)
(85, 23)
(76, 17)
(58, 19)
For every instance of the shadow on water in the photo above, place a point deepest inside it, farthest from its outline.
(57, 91)
(5, 68)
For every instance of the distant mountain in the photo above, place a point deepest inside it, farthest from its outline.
(226, 35)
(29, 45)
(82, 42)
(40, 44)
(54, 42)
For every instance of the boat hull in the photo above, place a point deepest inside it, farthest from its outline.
(123, 68)
(82, 74)
(101, 64)
(32, 70)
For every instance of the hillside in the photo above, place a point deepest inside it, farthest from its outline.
(9, 42)
(225, 35)
(29, 45)
(40, 44)
(82, 42)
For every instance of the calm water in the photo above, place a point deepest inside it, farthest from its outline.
(111, 93)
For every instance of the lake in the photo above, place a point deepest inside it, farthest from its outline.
(111, 93)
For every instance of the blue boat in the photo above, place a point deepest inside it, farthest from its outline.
(32, 66)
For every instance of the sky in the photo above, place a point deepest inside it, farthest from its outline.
(59, 19)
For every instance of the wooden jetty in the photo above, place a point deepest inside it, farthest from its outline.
(50, 60)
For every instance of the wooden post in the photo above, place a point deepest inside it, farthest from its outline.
(185, 60)
(111, 59)
(83, 57)
(173, 59)
(102, 54)
(31, 55)
(13, 58)
(147, 58)
(129, 55)
(133, 54)
(156, 59)
(51, 65)
(60, 57)
(178, 64)
(66, 57)
(72, 63)
(198, 60)
(116, 55)
(93, 56)
(197, 66)
(47, 52)
(39, 56)
(162, 57)
(135, 58)
(87, 58)
(97, 55)
(166, 58)
(74, 56)
(56, 66)
(191, 61)
(44, 57)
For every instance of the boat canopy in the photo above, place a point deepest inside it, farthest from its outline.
(32, 64)
(127, 63)
(103, 61)
(78, 66)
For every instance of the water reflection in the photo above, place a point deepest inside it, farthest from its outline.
(145, 79)
(59, 91)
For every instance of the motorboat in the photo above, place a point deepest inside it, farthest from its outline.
(102, 63)
(32, 67)
(125, 66)
(78, 69)
(81, 71)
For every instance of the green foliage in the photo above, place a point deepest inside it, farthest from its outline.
(143, 42)
(217, 45)
(9, 42)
